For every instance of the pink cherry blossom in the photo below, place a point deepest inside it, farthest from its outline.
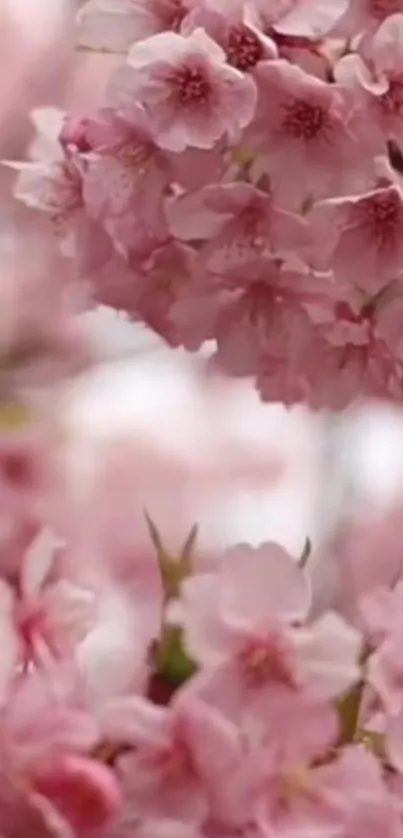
(56, 188)
(43, 724)
(125, 178)
(127, 168)
(360, 238)
(346, 796)
(249, 310)
(376, 75)
(310, 135)
(246, 625)
(179, 755)
(244, 45)
(85, 792)
(192, 97)
(355, 353)
(249, 225)
(157, 284)
(55, 612)
(44, 717)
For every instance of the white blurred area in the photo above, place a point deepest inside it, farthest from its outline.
(259, 463)
(266, 472)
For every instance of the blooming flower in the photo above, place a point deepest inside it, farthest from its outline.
(191, 95)
(247, 222)
(309, 134)
(361, 237)
(179, 754)
(347, 795)
(56, 188)
(245, 625)
(375, 75)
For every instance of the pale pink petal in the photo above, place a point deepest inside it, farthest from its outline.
(206, 636)
(263, 584)
(311, 18)
(133, 719)
(70, 611)
(84, 791)
(386, 48)
(113, 655)
(217, 751)
(328, 656)
(38, 562)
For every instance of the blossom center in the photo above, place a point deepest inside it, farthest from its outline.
(191, 86)
(382, 216)
(296, 782)
(244, 48)
(303, 120)
(136, 156)
(30, 621)
(175, 762)
(264, 662)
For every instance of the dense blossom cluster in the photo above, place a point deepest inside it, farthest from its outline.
(242, 184)
(211, 695)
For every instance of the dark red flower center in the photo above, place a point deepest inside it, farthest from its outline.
(382, 215)
(304, 120)
(192, 86)
(244, 48)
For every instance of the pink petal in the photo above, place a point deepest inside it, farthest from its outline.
(328, 656)
(206, 636)
(263, 584)
(38, 562)
(312, 18)
(135, 720)
(216, 749)
(85, 792)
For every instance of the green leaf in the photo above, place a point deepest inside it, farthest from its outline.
(171, 660)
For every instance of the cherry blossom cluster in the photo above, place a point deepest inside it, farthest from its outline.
(218, 696)
(242, 184)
